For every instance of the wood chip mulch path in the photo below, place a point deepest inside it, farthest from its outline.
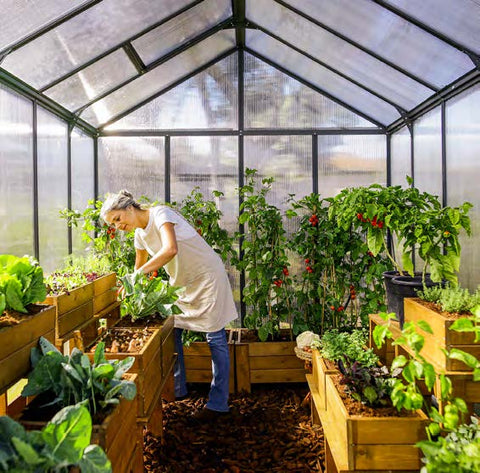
(269, 430)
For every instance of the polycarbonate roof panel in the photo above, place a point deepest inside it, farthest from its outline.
(391, 37)
(84, 37)
(22, 18)
(179, 30)
(457, 19)
(337, 53)
(304, 68)
(159, 78)
(94, 80)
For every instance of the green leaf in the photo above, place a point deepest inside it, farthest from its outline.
(26, 452)
(425, 326)
(99, 356)
(470, 360)
(94, 460)
(399, 362)
(430, 375)
(68, 433)
(462, 325)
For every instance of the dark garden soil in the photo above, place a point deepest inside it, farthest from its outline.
(7, 319)
(123, 340)
(154, 320)
(268, 430)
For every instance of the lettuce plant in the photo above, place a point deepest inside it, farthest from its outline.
(145, 296)
(73, 379)
(21, 283)
(63, 443)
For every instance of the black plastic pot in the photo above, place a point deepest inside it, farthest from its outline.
(398, 287)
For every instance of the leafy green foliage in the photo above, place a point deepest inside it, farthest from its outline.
(60, 445)
(103, 240)
(458, 451)
(205, 216)
(370, 385)
(339, 280)
(21, 283)
(267, 291)
(416, 219)
(335, 345)
(452, 298)
(73, 379)
(145, 296)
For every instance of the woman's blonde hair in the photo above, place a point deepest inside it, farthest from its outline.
(119, 201)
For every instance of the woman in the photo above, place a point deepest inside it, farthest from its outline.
(163, 238)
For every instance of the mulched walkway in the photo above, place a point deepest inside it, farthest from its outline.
(269, 430)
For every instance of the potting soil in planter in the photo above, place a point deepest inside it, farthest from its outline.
(123, 340)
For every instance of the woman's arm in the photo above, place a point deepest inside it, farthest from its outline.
(162, 257)
(141, 257)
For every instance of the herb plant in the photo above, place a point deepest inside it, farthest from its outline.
(458, 451)
(21, 283)
(452, 298)
(63, 443)
(371, 385)
(73, 379)
(145, 296)
(335, 345)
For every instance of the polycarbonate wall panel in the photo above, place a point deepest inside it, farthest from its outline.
(52, 190)
(22, 18)
(93, 81)
(337, 53)
(172, 34)
(457, 19)
(318, 76)
(86, 36)
(207, 100)
(16, 174)
(210, 163)
(133, 163)
(288, 159)
(159, 78)
(391, 37)
(427, 152)
(83, 179)
(275, 100)
(401, 157)
(463, 169)
(350, 161)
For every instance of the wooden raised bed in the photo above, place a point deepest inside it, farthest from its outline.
(104, 292)
(17, 341)
(319, 375)
(147, 366)
(118, 435)
(198, 364)
(386, 353)
(442, 337)
(370, 443)
(73, 309)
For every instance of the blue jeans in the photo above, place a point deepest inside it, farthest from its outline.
(219, 388)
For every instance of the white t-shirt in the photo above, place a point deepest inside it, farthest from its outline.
(207, 301)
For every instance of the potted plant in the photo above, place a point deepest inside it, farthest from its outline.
(415, 221)
(22, 319)
(62, 444)
(337, 279)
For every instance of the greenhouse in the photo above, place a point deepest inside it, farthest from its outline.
(239, 236)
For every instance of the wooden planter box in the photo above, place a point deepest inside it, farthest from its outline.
(442, 337)
(320, 370)
(147, 366)
(198, 364)
(371, 443)
(17, 341)
(104, 292)
(118, 435)
(73, 309)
